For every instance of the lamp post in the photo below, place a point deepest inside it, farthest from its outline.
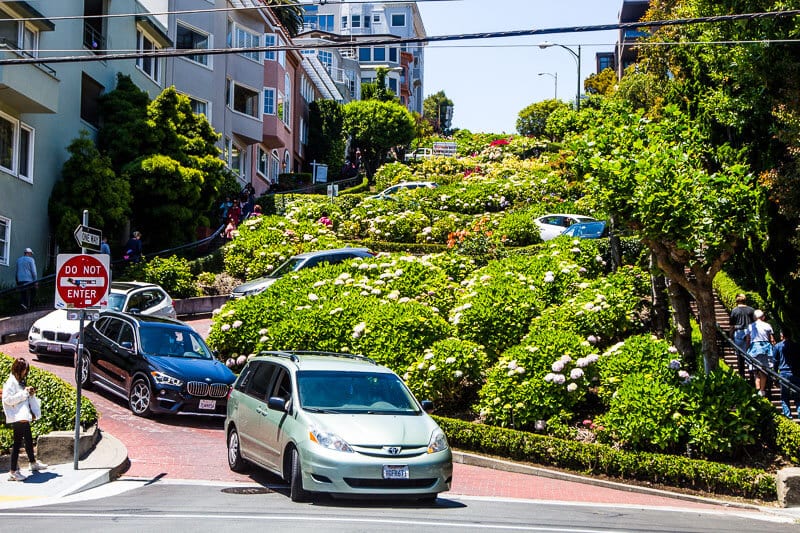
(577, 57)
(555, 78)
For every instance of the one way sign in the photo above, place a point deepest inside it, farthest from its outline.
(88, 237)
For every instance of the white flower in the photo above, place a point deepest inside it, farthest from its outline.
(237, 324)
(225, 327)
(428, 355)
(263, 339)
(672, 349)
(674, 364)
(559, 379)
(394, 295)
(458, 373)
(512, 365)
(359, 329)
(592, 339)
(432, 368)
(549, 377)
(576, 373)
(520, 370)
(336, 310)
(313, 297)
(549, 277)
(683, 374)
(319, 283)
(262, 331)
(572, 387)
(450, 360)
(558, 366)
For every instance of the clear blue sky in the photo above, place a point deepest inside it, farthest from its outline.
(491, 81)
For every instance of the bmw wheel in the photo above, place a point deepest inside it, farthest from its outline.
(235, 460)
(296, 490)
(140, 398)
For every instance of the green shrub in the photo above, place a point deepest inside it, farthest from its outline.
(640, 354)
(390, 174)
(449, 373)
(518, 227)
(58, 403)
(174, 274)
(787, 438)
(544, 377)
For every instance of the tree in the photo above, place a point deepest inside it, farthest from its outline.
(438, 110)
(692, 203)
(179, 175)
(377, 90)
(604, 82)
(326, 142)
(88, 182)
(533, 119)
(375, 127)
(289, 13)
(124, 118)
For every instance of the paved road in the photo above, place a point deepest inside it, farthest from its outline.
(193, 448)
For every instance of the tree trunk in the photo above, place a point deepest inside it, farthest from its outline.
(616, 246)
(658, 289)
(708, 326)
(681, 320)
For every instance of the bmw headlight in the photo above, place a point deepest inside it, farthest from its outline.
(329, 440)
(165, 379)
(35, 330)
(438, 442)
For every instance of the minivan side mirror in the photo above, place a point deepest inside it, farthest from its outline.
(427, 406)
(128, 345)
(276, 403)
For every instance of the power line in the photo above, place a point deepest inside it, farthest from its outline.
(407, 40)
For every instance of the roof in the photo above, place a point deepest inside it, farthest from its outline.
(318, 361)
(128, 286)
(321, 78)
(333, 252)
(146, 320)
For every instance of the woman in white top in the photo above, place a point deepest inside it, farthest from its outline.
(760, 340)
(19, 416)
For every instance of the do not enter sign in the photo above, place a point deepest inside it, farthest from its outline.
(81, 281)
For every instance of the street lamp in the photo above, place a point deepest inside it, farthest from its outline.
(577, 57)
(555, 77)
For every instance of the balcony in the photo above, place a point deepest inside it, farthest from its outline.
(93, 39)
(28, 88)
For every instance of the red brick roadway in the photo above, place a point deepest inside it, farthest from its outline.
(194, 448)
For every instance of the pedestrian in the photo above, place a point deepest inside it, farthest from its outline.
(133, 249)
(787, 363)
(104, 247)
(741, 317)
(325, 221)
(224, 207)
(26, 279)
(230, 229)
(235, 212)
(760, 340)
(256, 212)
(16, 406)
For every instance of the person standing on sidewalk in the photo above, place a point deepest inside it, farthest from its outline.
(741, 317)
(16, 394)
(760, 341)
(26, 278)
(787, 363)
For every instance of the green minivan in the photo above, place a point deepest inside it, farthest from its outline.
(335, 423)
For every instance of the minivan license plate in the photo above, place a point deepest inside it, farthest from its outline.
(395, 472)
(208, 404)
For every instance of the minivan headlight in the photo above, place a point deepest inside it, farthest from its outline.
(438, 442)
(329, 440)
(165, 379)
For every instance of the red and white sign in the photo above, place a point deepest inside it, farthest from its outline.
(81, 281)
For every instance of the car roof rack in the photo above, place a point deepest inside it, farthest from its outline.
(293, 355)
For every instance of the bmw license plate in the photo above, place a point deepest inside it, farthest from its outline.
(56, 348)
(208, 404)
(395, 472)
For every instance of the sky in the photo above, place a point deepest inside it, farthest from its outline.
(491, 80)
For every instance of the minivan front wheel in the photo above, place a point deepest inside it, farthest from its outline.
(140, 398)
(296, 490)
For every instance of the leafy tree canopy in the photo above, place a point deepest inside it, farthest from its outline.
(438, 111)
(604, 82)
(533, 119)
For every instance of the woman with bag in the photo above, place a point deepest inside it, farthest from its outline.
(17, 408)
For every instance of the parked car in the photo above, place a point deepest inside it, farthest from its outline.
(56, 334)
(297, 262)
(159, 365)
(587, 230)
(552, 225)
(389, 192)
(335, 423)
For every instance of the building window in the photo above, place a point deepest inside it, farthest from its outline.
(262, 166)
(269, 101)
(303, 132)
(23, 38)
(326, 58)
(94, 36)
(200, 107)
(16, 147)
(281, 53)
(90, 95)
(393, 85)
(149, 65)
(189, 39)
(344, 23)
(234, 157)
(286, 114)
(355, 21)
(287, 161)
(275, 165)
(366, 21)
(269, 41)
(325, 23)
(239, 37)
(242, 99)
(5, 240)
(379, 53)
(398, 19)
(393, 54)
(364, 54)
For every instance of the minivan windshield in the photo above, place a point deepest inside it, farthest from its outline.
(331, 391)
(173, 342)
(289, 266)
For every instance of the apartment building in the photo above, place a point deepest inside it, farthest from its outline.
(353, 23)
(43, 107)
(624, 54)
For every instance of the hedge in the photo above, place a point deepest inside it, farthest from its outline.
(594, 459)
(727, 289)
(787, 438)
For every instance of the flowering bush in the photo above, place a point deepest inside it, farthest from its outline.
(392, 173)
(174, 274)
(546, 376)
(519, 228)
(638, 354)
(402, 226)
(449, 373)
(479, 241)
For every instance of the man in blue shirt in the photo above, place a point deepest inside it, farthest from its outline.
(26, 278)
(787, 363)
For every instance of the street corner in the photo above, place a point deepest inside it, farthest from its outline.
(57, 481)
